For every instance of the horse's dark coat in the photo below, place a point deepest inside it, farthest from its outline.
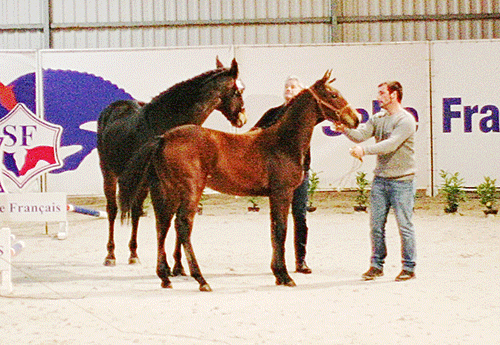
(124, 126)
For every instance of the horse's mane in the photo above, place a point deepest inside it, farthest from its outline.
(294, 99)
(289, 105)
(181, 94)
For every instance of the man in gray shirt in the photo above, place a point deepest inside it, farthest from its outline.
(393, 185)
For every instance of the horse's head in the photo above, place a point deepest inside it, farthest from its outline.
(231, 97)
(332, 104)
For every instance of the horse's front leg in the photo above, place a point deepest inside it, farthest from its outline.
(280, 205)
(112, 210)
(136, 215)
(184, 226)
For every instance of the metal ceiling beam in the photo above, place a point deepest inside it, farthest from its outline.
(46, 27)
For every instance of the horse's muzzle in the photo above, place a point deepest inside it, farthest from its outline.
(242, 119)
(352, 120)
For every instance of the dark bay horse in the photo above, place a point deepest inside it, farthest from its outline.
(267, 162)
(124, 126)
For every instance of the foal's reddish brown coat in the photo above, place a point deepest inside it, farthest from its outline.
(265, 162)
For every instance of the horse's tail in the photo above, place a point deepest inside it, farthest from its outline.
(138, 173)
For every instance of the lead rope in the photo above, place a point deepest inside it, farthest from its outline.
(344, 179)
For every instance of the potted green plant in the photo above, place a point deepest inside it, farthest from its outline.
(255, 204)
(488, 195)
(362, 192)
(313, 186)
(452, 189)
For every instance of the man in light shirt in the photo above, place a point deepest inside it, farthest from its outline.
(393, 184)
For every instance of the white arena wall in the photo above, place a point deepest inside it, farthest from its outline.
(451, 86)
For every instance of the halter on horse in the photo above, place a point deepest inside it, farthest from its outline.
(180, 164)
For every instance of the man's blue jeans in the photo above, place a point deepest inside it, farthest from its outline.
(400, 195)
(299, 211)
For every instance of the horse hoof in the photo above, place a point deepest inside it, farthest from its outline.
(133, 261)
(179, 272)
(289, 283)
(166, 285)
(110, 262)
(205, 287)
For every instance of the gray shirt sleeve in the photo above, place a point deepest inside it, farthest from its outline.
(394, 143)
(404, 127)
(364, 132)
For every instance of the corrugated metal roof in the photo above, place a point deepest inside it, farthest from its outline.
(140, 23)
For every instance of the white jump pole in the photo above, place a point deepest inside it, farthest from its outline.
(7, 251)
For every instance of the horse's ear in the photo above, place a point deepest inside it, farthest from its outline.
(326, 76)
(234, 68)
(218, 64)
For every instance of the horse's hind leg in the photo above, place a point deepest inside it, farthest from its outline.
(183, 227)
(163, 215)
(163, 220)
(178, 270)
(136, 215)
(112, 210)
(162, 269)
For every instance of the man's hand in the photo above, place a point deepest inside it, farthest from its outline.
(357, 152)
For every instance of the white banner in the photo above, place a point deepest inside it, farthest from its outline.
(134, 73)
(359, 69)
(465, 99)
(466, 103)
(33, 207)
(14, 64)
(17, 85)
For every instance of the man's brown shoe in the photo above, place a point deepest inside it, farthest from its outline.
(302, 268)
(405, 275)
(372, 273)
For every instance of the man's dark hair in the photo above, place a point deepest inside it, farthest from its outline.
(394, 86)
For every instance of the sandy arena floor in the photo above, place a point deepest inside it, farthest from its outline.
(64, 295)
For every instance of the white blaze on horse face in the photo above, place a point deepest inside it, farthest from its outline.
(240, 85)
(242, 119)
